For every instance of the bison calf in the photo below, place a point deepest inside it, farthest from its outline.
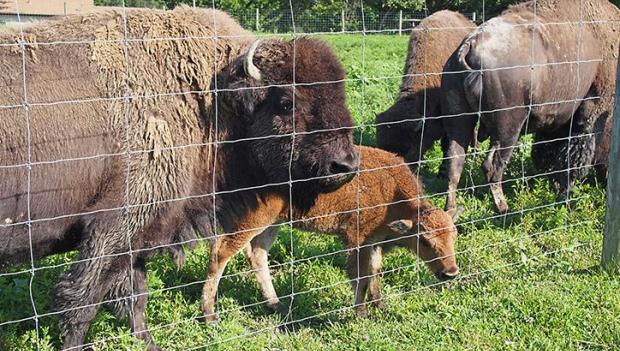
(392, 212)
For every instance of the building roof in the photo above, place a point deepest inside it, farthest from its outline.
(45, 7)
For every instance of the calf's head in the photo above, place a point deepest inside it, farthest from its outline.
(290, 96)
(434, 241)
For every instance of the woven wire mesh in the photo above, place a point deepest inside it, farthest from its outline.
(292, 285)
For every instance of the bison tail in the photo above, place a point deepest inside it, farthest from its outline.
(472, 80)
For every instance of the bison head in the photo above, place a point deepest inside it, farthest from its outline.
(300, 131)
(399, 128)
(434, 242)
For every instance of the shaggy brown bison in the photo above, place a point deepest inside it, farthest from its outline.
(392, 212)
(116, 135)
(410, 127)
(531, 70)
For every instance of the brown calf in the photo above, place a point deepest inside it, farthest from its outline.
(392, 212)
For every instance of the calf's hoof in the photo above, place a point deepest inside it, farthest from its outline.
(379, 304)
(210, 318)
(502, 208)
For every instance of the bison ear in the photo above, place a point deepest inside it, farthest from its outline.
(401, 226)
(455, 213)
(269, 61)
(418, 125)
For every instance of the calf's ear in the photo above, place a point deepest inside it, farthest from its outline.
(455, 213)
(401, 226)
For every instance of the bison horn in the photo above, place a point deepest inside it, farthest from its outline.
(248, 64)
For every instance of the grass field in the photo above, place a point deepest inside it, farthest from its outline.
(531, 280)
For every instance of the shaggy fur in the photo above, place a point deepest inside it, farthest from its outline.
(492, 46)
(546, 160)
(104, 95)
(392, 210)
(430, 45)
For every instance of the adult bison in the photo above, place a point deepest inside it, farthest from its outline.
(536, 68)
(119, 128)
(411, 126)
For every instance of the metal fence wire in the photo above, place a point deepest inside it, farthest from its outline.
(524, 234)
(344, 21)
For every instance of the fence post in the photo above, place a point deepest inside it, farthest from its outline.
(257, 20)
(400, 22)
(193, 3)
(611, 242)
(342, 17)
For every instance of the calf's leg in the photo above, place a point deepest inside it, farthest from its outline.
(375, 262)
(227, 245)
(257, 252)
(359, 272)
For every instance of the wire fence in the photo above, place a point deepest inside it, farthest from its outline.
(392, 22)
(138, 161)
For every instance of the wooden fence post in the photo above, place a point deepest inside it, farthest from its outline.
(611, 242)
(343, 25)
(400, 22)
(257, 20)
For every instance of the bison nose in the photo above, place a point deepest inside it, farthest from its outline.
(449, 273)
(346, 163)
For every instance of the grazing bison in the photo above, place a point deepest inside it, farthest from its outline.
(393, 211)
(532, 69)
(410, 127)
(114, 142)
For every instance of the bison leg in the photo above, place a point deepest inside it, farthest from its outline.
(120, 304)
(432, 131)
(375, 262)
(227, 245)
(138, 318)
(257, 252)
(358, 264)
(443, 168)
(459, 133)
(83, 287)
(504, 129)
(494, 165)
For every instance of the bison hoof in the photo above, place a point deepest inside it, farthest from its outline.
(279, 308)
(443, 172)
(211, 318)
(153, 347)
(379, 304)
(503, 208)
(361, 311)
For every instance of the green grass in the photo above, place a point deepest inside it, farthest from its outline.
(531, 281)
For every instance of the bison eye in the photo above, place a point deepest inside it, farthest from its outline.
(286, 105)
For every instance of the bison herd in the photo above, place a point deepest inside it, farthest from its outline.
(120, 144)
